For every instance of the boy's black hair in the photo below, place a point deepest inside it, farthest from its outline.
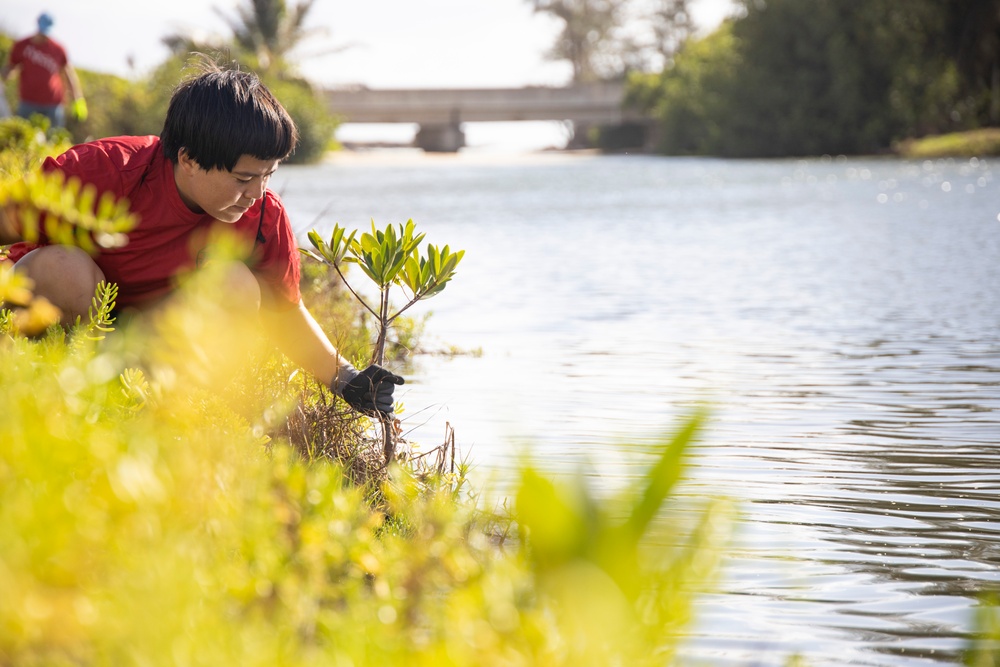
(221, 115)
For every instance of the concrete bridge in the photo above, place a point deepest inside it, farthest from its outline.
(441, 112)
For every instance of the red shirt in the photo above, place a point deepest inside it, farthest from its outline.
(169, 236)
(42, 62)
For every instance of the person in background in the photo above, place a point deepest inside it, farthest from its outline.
(44, 74)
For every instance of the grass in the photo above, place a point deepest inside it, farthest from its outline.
(983, 142)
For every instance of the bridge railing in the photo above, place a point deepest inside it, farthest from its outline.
(589, 103)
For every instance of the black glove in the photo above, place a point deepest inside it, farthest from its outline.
(368, 391)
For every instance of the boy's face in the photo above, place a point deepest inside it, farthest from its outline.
(224, 195)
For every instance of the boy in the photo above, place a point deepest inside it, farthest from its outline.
(223, 137)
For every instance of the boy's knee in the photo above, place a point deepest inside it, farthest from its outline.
(64, 275)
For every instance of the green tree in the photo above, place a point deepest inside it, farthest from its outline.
(840, 77)
(689, 99)
(806, 77)
(923, 94)
(973, 39)
(671, 24)
(586, 37)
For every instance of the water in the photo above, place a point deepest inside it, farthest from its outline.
(841, 317)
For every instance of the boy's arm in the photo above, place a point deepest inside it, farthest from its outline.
(77, 106)
(300, 338)
(74, 82)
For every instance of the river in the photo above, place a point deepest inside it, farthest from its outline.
(840, 316)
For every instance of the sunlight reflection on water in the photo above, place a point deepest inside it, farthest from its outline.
(841, 316)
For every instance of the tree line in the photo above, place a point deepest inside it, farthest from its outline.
(781, 77)
(793, 77)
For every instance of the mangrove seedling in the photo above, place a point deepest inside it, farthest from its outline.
(388, 257)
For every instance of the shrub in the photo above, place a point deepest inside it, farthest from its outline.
(308, 109)
(974, 143)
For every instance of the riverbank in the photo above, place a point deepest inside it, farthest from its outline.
(982, 142)
(973, 143)
(406, 155)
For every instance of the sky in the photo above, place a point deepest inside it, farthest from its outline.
(379, 43)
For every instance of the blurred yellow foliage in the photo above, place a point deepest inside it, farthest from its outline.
(36, 318)
(15, 288)
(146, 522)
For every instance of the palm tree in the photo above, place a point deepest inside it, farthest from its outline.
(265, 32)
(269, 30)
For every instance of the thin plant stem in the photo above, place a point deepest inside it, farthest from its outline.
(388, 432)
(356, 295)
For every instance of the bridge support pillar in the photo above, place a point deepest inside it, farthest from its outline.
(440, 138)
(580, 136)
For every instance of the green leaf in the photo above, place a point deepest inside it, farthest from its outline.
(316, 240)
(661, 478)
(310, 253)
(553, 518)
(411, 274)
(368, 242)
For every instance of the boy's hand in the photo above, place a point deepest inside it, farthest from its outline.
(368, 391)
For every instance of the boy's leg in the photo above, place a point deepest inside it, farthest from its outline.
(64, 275)
(239, 292)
